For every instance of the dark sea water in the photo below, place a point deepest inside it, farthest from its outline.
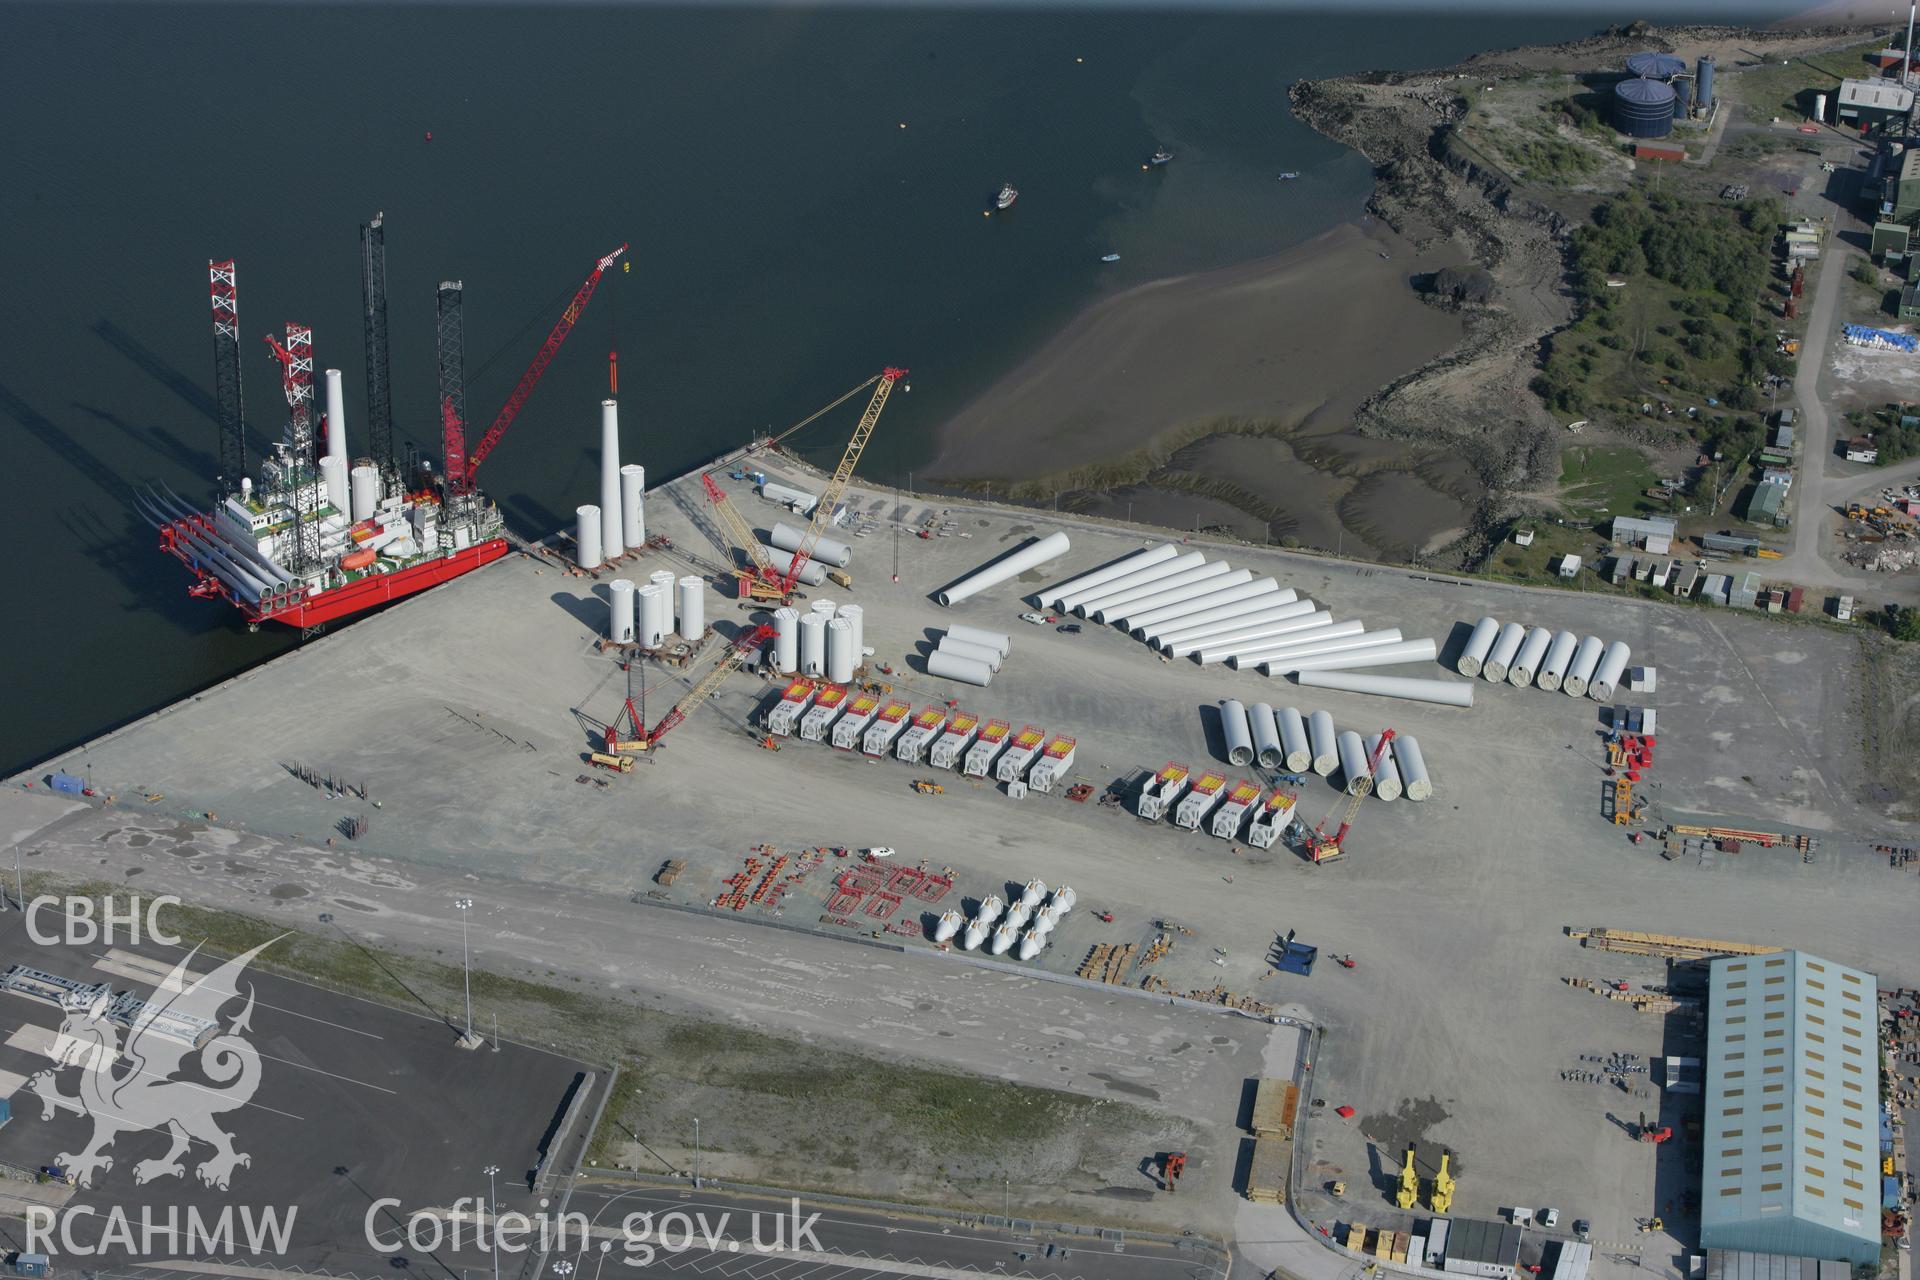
(789, 237)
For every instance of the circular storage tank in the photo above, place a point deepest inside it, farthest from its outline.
(1658, 66)
(1643, 108)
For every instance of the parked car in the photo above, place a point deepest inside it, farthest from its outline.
(1069, 628)
(1582, 1228)
(1034, 618)
(1549, 1218)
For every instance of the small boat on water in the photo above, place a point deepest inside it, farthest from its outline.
(1160, 157)
(1006, 197)
(1289, 175)
(1109, 257)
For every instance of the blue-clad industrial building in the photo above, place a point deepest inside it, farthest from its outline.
(1790, 1163)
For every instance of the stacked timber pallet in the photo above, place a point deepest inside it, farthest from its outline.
(1267, 1176)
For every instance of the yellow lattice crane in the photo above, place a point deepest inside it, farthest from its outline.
(744, 646)
(1409, 1193)
(1442, 1186)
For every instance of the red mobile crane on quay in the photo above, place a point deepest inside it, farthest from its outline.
(324, 535)
(1322, 847)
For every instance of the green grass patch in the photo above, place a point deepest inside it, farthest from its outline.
(1601, 481)
(1789, 88)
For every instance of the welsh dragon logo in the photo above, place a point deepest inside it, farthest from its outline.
(136, 1086)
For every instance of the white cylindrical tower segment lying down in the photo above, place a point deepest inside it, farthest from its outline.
(994, 640)
(966, 649)
(1325, 743)
(1612, 668)
(1031, 556)
(1553, 667)
(336, 421)
(1505, 650)
(840, 657)
(1386, 655)
(1081, 601)
(633, 505)
(1297, 754)
(1412, 765)
(1267, 747)
(690, 603)
(1263, 591)
(1050, 598)
(620, 624)
(786, 640)
(1386, 778)
(952, 667)
(1474, 655)
(586, 538)
(1526, 663)
(1247, 661)
(1353, 760)
(1176, 595)
(612, 527)
(811, 574)
(1586, 659)
(813, 644)
(1112, 608)
(1258, 613)
(826, 551)
(1266, 635)
(1446, 693)
(1239, 733)
(363, 484)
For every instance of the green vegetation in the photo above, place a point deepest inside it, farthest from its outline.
(1683, 329)
(1866, 274)
(1601, 481)
(1538, 154)
(1901, 624)
(1895, 431)
(1790, 87)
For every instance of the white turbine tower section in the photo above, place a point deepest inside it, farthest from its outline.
(980, 653)
(994, 640)
(1387, 655)
(1220, 648)
(1031, 556)
(1526, 663)
(1238, 731)
(1296, 753)
(1108, 609)
(1585, 659)
(1050, 598)
(333, 476)
(363, 484)
(1267, 747)
(1175, 596)
(952, 667)
(633, 505)
(1412, 765)
(1505, 650)
(620, 624)
(1345, 644)
(612, 532)
(1446, 693)
(586, 537)
(1080, 601)
(1256, 613)
(1353, 761)
(1386, 778)
(336, 422)
(1217, 602)
(811, 574)
(826, 550)
(813, 644)
(856, 617)
(1606, 677)
(840, 659)
(691, 607)
(655, 617)
(1553, 667)
(1474, 656)
(786, 640)
(1325, 743)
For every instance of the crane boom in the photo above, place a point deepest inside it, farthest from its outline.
(744, 646)
(737, 529)
(462, 480)
(1325, 848)
(830, 498)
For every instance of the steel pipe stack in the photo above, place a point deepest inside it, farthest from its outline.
(1553, 668)
(1324, 743)
(1474, 656)
(1527, 662)
(1505, 650)
(826, 550)
(1607, 676)
(1078, 601)
(1239, 734)
(1263, 591)
(950, 666)
(994, 640)
(840, 659)
(1293, 740)
(1034, 554)
(1267, 747)
(1585, 660)
(1353, 760)
(1051, 597)
(586, 538)
(612, 532)
(620, 625)
(1386, 655)
(786, 640)
(1446, 693)
(813, 644)
(633, 505)
(691, 607)
(980, 653)
(1413, 766)
(1386, 778)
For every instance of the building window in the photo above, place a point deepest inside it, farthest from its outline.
(1774, 1070)
(1730, 1191)
(1732, 1153)
(1815, 1191)
(1771, 1106)
(1817, 986)
(1736, 1002)
(1855, 1205)
(1775, 962)
(1853, 1146)
(1851, 977)
(1816, 1038)
(1735, 1075)
(1733, 1111)
(1816, 1133)
(1769, 1186)
(1815, 1075)
(1772, 1128)
(1733, 1133)
(1733, 1093)
(1770, 1148)
(1770, 1168)
(1815, 1111)
(1816, 1093)
(1812, 1172)
(1816, 1002)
